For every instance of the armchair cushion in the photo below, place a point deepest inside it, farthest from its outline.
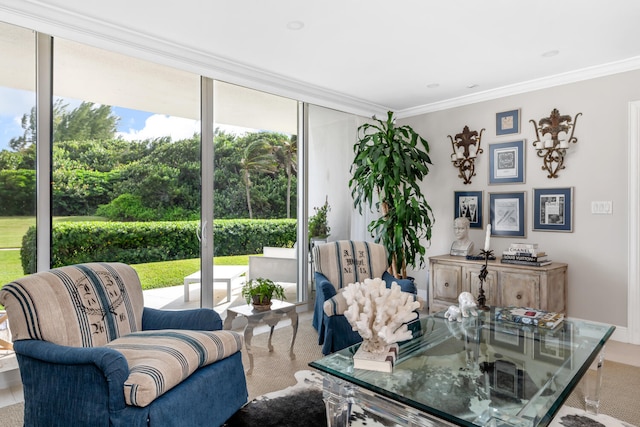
(85, 305)
(160, 360)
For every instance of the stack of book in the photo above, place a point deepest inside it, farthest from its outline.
(525, 254)
(529, 316)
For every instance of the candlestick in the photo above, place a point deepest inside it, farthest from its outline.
(487, 238)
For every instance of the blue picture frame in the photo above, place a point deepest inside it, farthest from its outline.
(553, 209)
(506, 162)
(507, 214)
(508, 122)
(469, 204)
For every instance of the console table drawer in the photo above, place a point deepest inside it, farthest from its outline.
(447, 283)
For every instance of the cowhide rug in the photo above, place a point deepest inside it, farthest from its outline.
(302, 405)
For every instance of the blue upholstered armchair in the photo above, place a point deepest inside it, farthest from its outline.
(90, 353)
(336, 265)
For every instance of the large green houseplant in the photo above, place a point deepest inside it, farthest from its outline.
(389, 165)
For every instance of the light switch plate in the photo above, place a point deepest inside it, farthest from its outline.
(602, 207)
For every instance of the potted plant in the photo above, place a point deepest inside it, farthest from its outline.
(318, 223)
(259, 292)
(389, 165)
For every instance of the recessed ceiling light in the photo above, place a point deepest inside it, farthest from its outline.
(550, 53)
(295, 25)
(433, 85)
(472, 86)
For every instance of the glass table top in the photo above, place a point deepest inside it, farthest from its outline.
(482, 369)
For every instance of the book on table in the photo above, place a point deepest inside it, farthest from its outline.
(520, 257)
(382, 362)
(531, 263)
(530, 316)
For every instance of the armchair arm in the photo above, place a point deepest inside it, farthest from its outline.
(324, 288)
(84, 371)
(199, 319)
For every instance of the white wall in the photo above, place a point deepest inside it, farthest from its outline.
(331, 138)
(596, 167)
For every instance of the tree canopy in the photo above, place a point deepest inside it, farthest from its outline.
(155, 179)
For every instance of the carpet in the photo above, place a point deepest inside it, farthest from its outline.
(298, 405)
(302, 405)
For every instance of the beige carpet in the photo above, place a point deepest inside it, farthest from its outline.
(275, 371)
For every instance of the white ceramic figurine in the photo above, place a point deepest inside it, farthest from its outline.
(467, 304)
(453, 313)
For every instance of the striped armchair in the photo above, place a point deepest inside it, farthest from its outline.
(90, 353)
(336, 265)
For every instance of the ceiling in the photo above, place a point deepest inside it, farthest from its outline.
(360, 56)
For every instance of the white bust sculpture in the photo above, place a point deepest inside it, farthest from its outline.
(462, 246)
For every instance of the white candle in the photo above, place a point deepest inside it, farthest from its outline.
(564, 143)
(487, 239)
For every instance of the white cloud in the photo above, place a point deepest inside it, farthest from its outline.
(159, 125)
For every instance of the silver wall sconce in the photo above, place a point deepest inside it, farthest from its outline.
(553, 136)
(466, 147)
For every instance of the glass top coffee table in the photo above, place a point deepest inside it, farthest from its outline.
(480, 372)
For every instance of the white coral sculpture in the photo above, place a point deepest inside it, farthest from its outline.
(379, 314)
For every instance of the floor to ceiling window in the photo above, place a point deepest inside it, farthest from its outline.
(256, 151)
(17, 146)
(126, 163)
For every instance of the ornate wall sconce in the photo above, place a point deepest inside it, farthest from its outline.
(553, 139)
(466, 147)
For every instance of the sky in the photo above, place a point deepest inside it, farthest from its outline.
(133, 124)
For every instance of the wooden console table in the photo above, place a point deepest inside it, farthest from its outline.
(544, 287)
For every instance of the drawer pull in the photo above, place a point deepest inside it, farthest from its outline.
(446, 284)
(518, 296)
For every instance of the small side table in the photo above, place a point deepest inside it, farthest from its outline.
(271, 317)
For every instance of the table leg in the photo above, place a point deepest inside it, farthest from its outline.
(248, 334)
(293, 315)
(229, 319)
(270, 335)
(228, 289)
(592, 387)
(335, 395)
(186, 290)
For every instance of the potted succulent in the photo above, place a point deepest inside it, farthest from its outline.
(389, 165)
(259, 292)
(318, 223)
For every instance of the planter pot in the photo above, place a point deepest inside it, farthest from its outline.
(260, 306)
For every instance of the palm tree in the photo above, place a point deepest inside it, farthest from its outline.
(258, 158)
(287, 153)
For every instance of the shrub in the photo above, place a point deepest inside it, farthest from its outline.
(142, 242)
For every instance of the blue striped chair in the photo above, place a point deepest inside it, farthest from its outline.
(91, 354)
(336, 265)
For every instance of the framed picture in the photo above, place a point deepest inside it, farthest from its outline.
(553, 345)
(469, 204)
(507, 214)
(506, 163)
(553, 209)
(508, 122)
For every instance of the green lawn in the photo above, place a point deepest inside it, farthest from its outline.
(152, 275)
(11, 267)
(12, 228)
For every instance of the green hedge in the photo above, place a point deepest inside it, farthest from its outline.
(142, 242)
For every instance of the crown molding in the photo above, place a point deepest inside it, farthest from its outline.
(602, 70)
